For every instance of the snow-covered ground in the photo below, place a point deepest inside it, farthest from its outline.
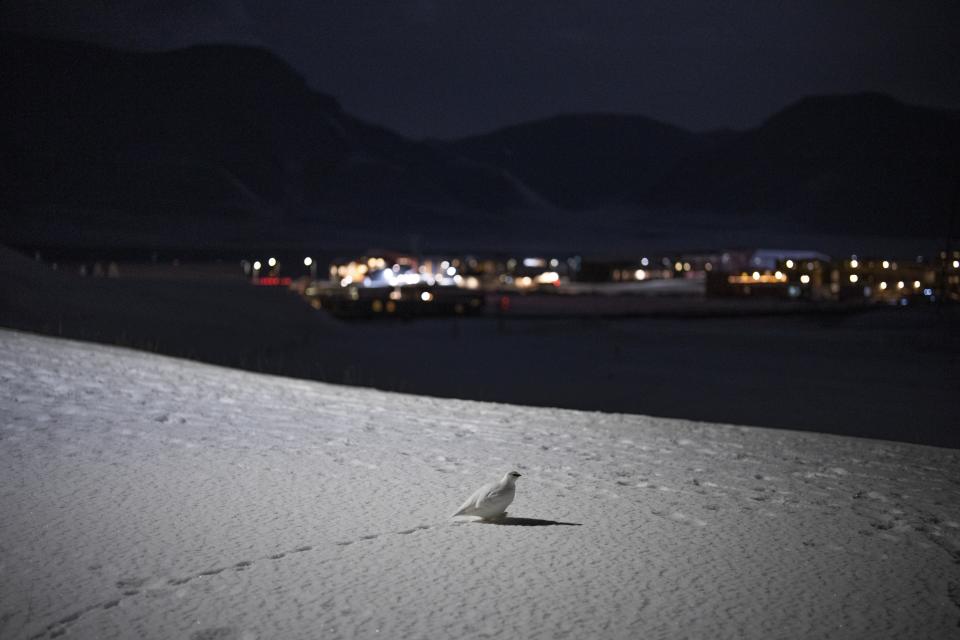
(143, 496)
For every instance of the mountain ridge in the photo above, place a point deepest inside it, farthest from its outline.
(228, 144)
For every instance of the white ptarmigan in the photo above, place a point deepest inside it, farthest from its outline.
(491, 500)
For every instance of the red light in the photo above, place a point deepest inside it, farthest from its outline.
(273, 281)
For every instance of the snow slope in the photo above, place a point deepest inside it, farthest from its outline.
(152, 497)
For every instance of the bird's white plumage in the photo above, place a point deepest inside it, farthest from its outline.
(492, 499)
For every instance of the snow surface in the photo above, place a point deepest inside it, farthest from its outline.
(144, 496)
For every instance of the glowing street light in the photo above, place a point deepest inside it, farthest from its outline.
(854, 277)
(272, 262)
(257, 266)
(311, 264)
(805, 279)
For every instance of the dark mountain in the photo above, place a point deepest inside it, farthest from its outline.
(586, 160)
(860, 164)
(214, 144)
(864, 164)
(227, 146)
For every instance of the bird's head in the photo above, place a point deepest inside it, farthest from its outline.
(511, 476)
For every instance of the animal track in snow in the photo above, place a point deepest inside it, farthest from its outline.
(130, 587)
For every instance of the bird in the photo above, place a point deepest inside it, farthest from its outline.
(490, 501)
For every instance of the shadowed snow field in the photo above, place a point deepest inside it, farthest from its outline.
(144, 496)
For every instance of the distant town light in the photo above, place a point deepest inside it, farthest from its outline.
(645, 262)
(678, 266)
(745, 278)
(789, 264)
(272, 262)
(805, 279)
(854, 264)
(916, 284)
(307, 261)
(708, 267)
(854, 277)
(426, 296)
(640, 274)
(534, 262)
(886, 264)
(451, 271)
(778, 275)
(956, 264)
(554, 263)
(686, 266)
(883, 286)
(900, 285)
(257, 265)
(548, 277)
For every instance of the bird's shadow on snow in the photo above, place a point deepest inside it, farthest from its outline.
(529, 522)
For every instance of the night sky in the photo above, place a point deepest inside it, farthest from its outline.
(447, 68)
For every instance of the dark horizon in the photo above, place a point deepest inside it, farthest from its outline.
(429, 70)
